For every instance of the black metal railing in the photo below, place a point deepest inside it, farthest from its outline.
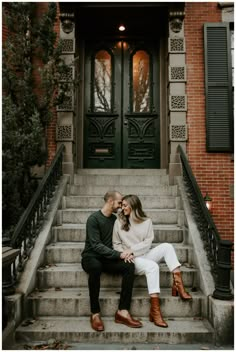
(218, 250)
(29, 225)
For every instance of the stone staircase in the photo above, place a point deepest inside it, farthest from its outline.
(59, 306)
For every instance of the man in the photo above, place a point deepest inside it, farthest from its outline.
(98, 256)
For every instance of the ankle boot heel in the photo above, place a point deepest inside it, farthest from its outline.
(150, 318)
(175, 292)
(179, 286)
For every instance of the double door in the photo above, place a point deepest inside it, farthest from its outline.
(121, 116)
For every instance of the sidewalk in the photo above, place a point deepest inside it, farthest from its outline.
(98, 347)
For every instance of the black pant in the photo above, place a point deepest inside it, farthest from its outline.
(94, 267)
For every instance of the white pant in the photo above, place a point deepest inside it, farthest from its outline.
(148, 264)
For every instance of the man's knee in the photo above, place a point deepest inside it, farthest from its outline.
(92, 268)
(128, 268)
(94, 271)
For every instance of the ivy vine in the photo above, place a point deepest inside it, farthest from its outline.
(31, 71)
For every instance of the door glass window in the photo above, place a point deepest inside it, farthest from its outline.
(141, 81)
(102, 82)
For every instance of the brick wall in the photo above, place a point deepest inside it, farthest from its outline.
(214, 171)
(4, 27)
(51, 130)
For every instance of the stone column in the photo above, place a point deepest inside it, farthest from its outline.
(178, 132)
(66, 111)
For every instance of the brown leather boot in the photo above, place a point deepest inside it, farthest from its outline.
(178, 287)
(155, 313)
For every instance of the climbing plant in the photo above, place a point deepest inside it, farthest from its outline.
(31, 71)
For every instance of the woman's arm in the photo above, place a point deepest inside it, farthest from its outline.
(116, 240)
(144, 246)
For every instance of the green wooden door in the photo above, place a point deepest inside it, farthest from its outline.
(121, 105)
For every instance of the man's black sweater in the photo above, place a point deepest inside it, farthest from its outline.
(98, 242)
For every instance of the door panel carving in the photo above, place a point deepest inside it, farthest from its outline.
(141, 127)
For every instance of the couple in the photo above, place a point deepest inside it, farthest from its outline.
(122, 245)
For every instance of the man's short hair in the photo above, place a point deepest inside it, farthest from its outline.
(110, 194)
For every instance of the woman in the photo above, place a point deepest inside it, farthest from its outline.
(133, 233)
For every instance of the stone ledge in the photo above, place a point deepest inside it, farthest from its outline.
(28, 278)
(221, 315)
(16, 302)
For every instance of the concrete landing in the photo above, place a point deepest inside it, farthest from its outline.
(187, 330)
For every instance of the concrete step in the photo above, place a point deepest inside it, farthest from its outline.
(72, 275)
(158, 216)
(75, 303)
(115, 181)
(179, 331)
(159, 202)
(70, 252)
(140, 190)
(137, 172)
(76, 233)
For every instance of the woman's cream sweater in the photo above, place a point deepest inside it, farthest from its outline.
(139, 237)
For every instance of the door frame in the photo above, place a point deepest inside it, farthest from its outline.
(163, 107)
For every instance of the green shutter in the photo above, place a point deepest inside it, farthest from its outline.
(218, 88)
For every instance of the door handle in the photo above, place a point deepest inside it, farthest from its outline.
(126, 122)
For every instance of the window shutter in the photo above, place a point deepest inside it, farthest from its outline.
(218, 88)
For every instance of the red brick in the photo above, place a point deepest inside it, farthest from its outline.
(213, 171)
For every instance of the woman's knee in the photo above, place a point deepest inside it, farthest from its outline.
(169, 247)
(152, 267)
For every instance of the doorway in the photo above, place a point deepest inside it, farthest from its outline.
(121, 104)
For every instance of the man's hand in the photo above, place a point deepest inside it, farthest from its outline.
(127, 255)
(129, 259)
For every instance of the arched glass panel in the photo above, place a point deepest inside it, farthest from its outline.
(102, 82)
(141, 81)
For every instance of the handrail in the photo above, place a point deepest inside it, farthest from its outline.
(29, 224)
(188, 171)
(218, 250)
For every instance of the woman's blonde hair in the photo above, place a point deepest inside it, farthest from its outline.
(137, 214)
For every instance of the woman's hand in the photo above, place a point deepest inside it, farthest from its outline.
(130, 259)
(127, 255)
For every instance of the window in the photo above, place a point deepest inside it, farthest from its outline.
(141, 81)
(102, 81)
(218, 87)
(232, 59)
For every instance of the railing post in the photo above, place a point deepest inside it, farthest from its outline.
(222, 288)
(6, 241)
(8, 257)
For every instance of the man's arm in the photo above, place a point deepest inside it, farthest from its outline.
(96, 243)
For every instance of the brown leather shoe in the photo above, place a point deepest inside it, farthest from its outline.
(96, 323)
(129, 321)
